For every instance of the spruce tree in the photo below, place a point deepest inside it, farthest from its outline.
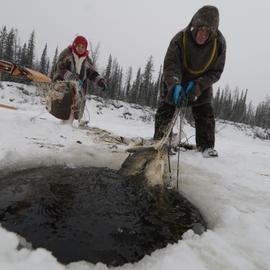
(145, 89)
(3, 38)
(216, 103)
(9, 46)
(250, 115)
(17, 47)
(30, 50)
(108, 69)
(119, 84)
(23, 58)
(113, 83)
(43, 61)
(47, 66)
(156, 90)
(136, 87)
(54, 62)
(128, 84)
(19, 55)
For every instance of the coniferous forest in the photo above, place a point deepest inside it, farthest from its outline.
(134, 86)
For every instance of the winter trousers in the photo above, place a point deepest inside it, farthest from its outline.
(204, 123)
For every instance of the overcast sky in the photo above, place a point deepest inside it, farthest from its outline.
(133, 30)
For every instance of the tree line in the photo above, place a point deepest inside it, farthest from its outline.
(142, 90)
(140, 87)
(233, 106)
(24, 54)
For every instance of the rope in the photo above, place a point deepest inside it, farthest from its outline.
(177, 111)
(169, 161)
(183, 114)
(169, 129)
(165, 138)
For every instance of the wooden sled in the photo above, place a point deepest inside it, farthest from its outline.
(20, 71)
(7, 106)
(61, 97)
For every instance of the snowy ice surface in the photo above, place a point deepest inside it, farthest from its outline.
(231, 191)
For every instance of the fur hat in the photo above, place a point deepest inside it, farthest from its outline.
(206, 16)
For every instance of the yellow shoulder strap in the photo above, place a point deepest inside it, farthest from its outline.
(185, 53)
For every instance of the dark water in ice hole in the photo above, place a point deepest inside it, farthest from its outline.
(93, 214)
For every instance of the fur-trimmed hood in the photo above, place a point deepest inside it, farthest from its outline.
(206, 16)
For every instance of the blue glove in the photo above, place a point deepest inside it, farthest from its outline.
(192, 91)
(81, 83)
(177, 94)
(189, 87)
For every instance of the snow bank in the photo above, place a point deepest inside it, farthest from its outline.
(232, 191)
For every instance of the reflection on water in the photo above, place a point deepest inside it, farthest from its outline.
(93, 214)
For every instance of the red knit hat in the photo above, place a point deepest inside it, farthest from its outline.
(80, 40)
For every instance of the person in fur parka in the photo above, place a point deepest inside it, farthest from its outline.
(74, 64)
(194, 61)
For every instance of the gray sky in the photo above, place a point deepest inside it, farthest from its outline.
(133, 30)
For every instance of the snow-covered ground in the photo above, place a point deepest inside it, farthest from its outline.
(232, 191)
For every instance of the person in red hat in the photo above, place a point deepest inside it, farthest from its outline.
(75, 64)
